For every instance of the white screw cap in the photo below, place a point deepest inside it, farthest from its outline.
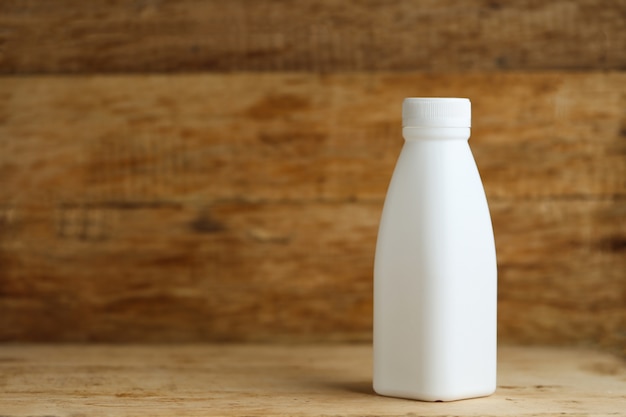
(436, 112)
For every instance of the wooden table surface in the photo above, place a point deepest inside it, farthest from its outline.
(279, 380)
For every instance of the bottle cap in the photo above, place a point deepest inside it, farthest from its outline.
(436, 112)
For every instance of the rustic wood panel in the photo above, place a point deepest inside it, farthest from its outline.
(287, 271)
(245, 206)
(72, 36)
(274, 380)
(298, 137)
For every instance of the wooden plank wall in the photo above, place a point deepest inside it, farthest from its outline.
(176, 171)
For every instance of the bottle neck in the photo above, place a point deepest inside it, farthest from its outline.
(435, 133)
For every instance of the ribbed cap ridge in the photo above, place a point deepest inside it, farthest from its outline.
(436, 112)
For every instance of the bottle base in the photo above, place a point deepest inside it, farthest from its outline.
(434, 396)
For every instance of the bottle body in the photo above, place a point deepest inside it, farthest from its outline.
(435, 276)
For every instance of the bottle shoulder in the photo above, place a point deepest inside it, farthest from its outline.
(435, 187)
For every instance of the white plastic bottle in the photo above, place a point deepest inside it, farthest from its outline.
(435, 277)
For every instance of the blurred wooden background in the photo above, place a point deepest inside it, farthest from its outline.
(175, 171)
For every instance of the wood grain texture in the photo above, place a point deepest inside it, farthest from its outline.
(72, 36)
(288, 271)
(274, 380)
(299, 136)
(244, 207)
